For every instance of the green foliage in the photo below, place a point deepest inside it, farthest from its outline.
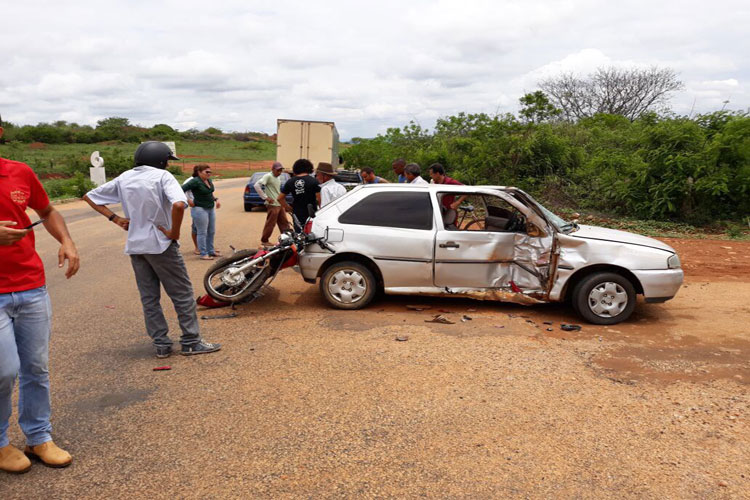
(537, 108)
(74, 187)
(660, 168)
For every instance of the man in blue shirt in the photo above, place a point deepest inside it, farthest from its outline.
(398, 169)
(369, 177)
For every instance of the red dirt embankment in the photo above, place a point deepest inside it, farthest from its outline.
(711, 260)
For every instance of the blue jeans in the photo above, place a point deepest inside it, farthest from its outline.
(205, 225)
(25, 320)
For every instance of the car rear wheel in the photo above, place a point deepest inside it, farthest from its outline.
(604, 298)
(348, 285)
(248, 207)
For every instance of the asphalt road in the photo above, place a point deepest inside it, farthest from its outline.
(306, 401)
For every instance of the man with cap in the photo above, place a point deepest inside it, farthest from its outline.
(154, 203)
(269, 188)
(329, 188)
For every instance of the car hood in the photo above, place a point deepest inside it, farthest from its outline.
(604, 234)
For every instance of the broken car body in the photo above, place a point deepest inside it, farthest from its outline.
(404, 240)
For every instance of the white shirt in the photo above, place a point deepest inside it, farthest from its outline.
(418, 180)
(188, 194)
(147, 195)
(329, 191)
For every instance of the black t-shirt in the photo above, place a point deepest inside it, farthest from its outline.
(302, 189)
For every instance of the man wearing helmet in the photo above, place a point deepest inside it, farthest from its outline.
(152, 201)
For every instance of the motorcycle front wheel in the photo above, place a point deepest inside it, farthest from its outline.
(227, 286)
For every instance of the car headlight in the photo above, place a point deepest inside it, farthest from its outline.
(673, 262)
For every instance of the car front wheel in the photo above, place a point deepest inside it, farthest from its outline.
(604, 298)
(348, 285)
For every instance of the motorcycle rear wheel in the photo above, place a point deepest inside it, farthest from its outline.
(252, 282)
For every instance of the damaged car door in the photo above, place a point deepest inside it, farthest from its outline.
(510, 254)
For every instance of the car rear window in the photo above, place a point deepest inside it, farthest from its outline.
(395, 209)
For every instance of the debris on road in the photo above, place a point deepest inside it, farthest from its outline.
(465, 318)
(471, 310)
(417, 308)
(162, 368)
(402, 338)
(570, 327)
(547, 322)
(221, 316)
(439, 318)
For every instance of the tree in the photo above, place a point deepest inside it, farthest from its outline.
(627, 92)
(537, 108)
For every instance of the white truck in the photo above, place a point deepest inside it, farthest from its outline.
(317, 141)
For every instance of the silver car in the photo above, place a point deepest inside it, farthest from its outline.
(500, 244)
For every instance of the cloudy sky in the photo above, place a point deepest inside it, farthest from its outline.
(240, 65)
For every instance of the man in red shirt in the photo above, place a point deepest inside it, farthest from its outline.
(25, 315)
(449, 201)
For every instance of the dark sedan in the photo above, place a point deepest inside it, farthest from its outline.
(252, 198)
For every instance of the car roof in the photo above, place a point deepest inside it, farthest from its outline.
(436, 187)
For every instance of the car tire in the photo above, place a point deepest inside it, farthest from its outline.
(348, 285)
(249, 207)
(604, 298)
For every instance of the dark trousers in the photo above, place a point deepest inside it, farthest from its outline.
(166, 269)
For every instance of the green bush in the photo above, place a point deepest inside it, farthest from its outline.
(74, 187)
(662, 168)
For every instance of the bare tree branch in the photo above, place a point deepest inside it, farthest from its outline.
(629, 92)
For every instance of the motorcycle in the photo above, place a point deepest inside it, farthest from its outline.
(240, 277)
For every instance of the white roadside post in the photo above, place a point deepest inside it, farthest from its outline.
(97, 169)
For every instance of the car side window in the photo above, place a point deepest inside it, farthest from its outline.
(394, 209)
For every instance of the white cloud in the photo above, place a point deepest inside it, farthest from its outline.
(240, 65)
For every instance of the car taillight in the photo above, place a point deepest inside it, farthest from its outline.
(247, 189)
(308, 226)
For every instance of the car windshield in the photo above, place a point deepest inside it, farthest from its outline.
(256, 177)
(561, 224)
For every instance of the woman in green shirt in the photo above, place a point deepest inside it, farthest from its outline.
(203, 212)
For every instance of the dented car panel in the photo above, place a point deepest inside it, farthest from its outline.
(530, 265)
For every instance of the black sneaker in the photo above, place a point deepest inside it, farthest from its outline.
(163, 351)
(201, 347)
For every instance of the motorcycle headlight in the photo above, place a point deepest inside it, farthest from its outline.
(285, 239)
(673, 262)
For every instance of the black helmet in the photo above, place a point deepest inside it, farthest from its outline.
(154, 154)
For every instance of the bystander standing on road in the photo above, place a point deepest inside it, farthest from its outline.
(26, 315)
(191, 204)
(152, 201)
(204, 211)
(329, 189)
(412, 172)
(398, 169)
(269, 189)
(369, 177)
(448, 201)
(304, 188)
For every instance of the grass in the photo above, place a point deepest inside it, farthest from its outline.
(65, 163)
(62, 158)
